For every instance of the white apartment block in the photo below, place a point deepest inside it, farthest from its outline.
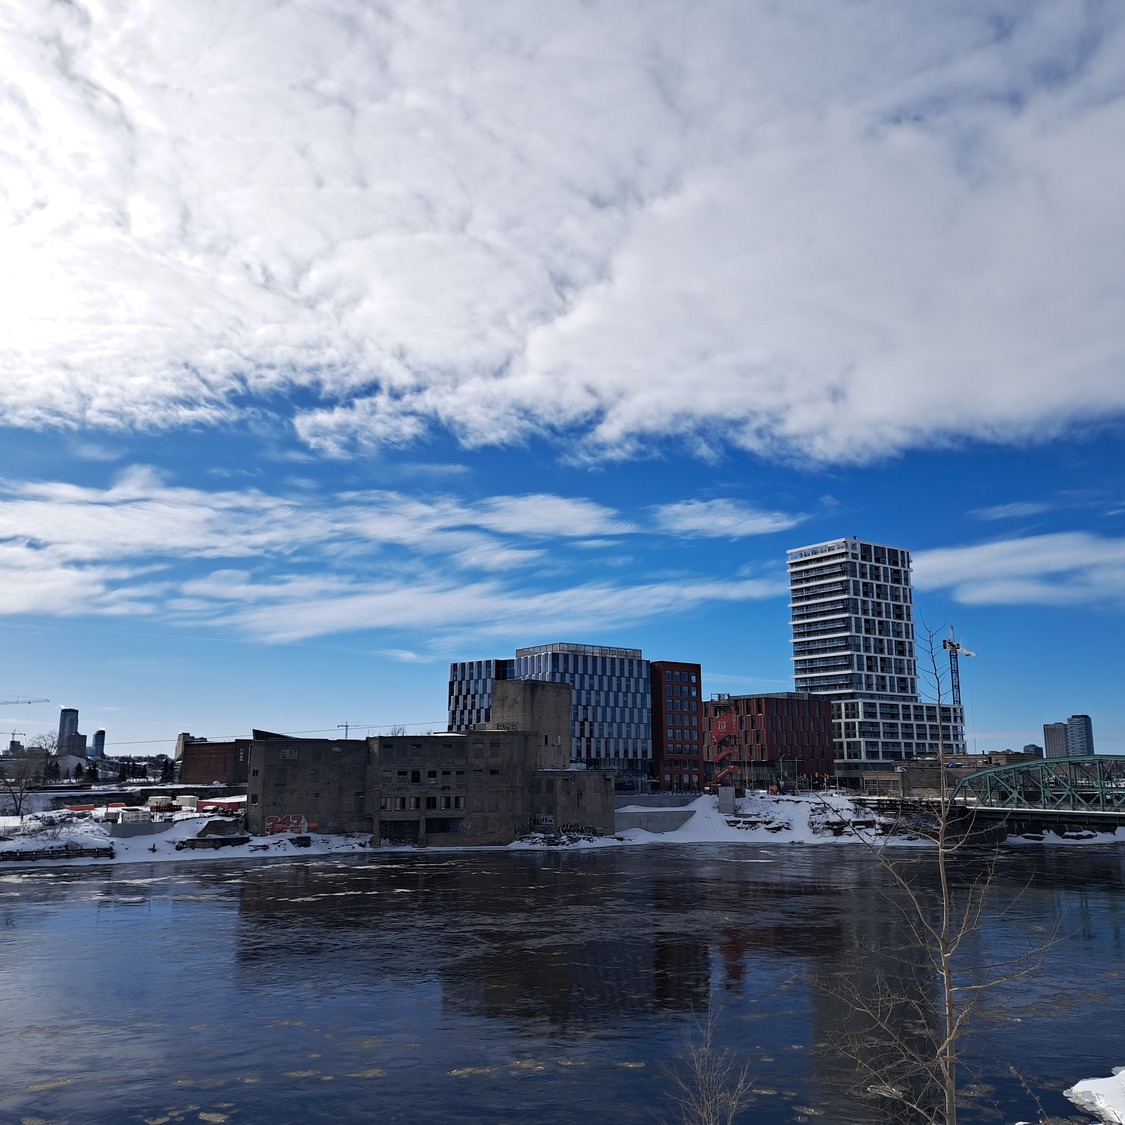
(852, 617)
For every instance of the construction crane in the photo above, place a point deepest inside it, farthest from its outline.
(955, 650)
(17, 734)
(8, 702)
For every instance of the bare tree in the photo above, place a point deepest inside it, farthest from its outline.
(18, 775)
(913, 1003)
(708, 1085)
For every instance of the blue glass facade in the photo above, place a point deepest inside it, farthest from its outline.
(612, 723)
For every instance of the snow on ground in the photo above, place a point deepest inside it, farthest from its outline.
(1103, 1096)
(820, 818)
(56, 832)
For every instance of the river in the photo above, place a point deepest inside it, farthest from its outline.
(514, 986)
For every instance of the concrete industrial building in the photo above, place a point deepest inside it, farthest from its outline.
(852, 620)
(490, 785)
(611, 724)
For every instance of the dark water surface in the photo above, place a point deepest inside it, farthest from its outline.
(511, 986)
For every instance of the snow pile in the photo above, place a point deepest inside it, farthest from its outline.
(759, 818)
(61, 833)
(1102, 1096)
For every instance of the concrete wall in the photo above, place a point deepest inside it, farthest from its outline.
(322, 780)
(138, 828)
(657, 800)
(450, 789)
(541, 706)
(653, 820)
(204, 762)
(580, 798)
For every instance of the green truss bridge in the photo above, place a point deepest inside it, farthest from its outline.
(1087, 791)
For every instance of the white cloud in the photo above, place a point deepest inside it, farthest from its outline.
(828, 232)
(726, 519)
(298, 566)
(549, 516)
(1066, 568)
(1014, 511)
(443, 608)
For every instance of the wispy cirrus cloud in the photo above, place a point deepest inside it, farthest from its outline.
(721, 519)
(1064, 568)
(830, 234)
(1015, 511)
(282, 567)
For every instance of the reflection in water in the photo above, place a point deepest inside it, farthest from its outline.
(492, 986)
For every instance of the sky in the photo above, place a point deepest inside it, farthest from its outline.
(341, 340)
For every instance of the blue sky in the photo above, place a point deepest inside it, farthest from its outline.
(338, 342)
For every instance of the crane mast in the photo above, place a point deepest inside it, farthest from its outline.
(955, 650)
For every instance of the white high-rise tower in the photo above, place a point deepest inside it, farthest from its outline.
(852, 616)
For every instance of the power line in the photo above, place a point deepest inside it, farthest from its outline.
(432, 724)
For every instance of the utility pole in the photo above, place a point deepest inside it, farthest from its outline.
(344, 727)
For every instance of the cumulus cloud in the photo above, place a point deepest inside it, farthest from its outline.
(1065, 568)
(828, 232)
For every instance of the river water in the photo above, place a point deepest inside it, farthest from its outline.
(516, 986)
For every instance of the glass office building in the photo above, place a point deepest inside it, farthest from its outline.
(612, 724)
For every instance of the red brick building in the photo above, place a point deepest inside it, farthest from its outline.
(201, 762)
(677, 726)
(763, 740)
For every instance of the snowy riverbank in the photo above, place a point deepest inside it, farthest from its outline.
(821, 819)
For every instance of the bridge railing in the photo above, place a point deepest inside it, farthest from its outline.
(1090, 784)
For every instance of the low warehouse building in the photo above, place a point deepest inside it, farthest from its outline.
(489, 785)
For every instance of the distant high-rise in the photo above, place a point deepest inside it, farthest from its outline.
(68, 722)
(1054, 740)
(852, 616)
(1079, 736)
(70, 741)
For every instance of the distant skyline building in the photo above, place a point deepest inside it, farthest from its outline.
(1072, 739)
(612, 721)
(852, 620)
(68, 722)
(1079, 736)
(70, 743)
(1054, 740)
